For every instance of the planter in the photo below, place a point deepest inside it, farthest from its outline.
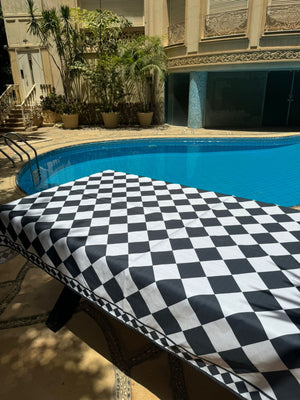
(110, 119)
(70, 121)
(145, 118)
(51, 117)
(37, 121)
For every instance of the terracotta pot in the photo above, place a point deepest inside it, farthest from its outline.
(51, 117)
(70, 121)
(145, 118)
(110, 119)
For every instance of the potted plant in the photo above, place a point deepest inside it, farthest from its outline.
(146, 66)
(36, 115)
(70, 113)
(50, 105)
(107, 84)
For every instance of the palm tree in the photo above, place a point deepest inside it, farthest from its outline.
(56, 28)
(146, 65)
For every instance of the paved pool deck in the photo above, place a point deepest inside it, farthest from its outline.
(93, 357)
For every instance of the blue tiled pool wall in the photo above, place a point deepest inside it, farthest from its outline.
(235, 99)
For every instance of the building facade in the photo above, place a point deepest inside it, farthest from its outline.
(232, 63)
(31, 63)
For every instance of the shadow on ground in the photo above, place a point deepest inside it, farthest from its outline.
(39, 364)
(36, 363)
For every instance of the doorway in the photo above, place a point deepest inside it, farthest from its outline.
(282, 99)
(177, 99)
(31, 71)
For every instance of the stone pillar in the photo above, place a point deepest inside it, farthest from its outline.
(156, 17)
(192, 25)
(256, 16)
(197, 98)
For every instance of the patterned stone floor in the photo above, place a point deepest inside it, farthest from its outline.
(94, 357)
(34, 362)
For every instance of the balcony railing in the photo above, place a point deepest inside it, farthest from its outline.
(227, 23)
(32, 100)
(176, 33)
(283, 18)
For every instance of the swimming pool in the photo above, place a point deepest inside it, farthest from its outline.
(266, 170)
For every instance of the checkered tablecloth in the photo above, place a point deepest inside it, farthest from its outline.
(212, 278)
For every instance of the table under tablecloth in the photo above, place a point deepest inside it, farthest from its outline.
(209, 277)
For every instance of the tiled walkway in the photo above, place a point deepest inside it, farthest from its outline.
(38, 364)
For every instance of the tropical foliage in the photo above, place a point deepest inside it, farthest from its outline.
(146, 66)
(106, 81)
(90, 48)
(59, 103)
(51, 102)
(103, 30)
(57, 28)
(103, 68)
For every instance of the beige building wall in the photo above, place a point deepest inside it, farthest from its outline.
(57, 3)
(256, 41)
(133, 10)
(20, 42)
(15, 13)
(156, 19)
(198, 35)
(17, 7)
(214, 34)
(23, 47)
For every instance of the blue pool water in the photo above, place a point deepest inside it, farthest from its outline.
(266, 169)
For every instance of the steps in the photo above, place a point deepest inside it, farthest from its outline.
(14, 122)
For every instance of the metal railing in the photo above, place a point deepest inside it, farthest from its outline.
(8, 100)
(11, 143)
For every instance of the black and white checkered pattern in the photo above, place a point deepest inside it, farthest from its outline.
(212, 278)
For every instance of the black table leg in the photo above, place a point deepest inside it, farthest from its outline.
(63, 309)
